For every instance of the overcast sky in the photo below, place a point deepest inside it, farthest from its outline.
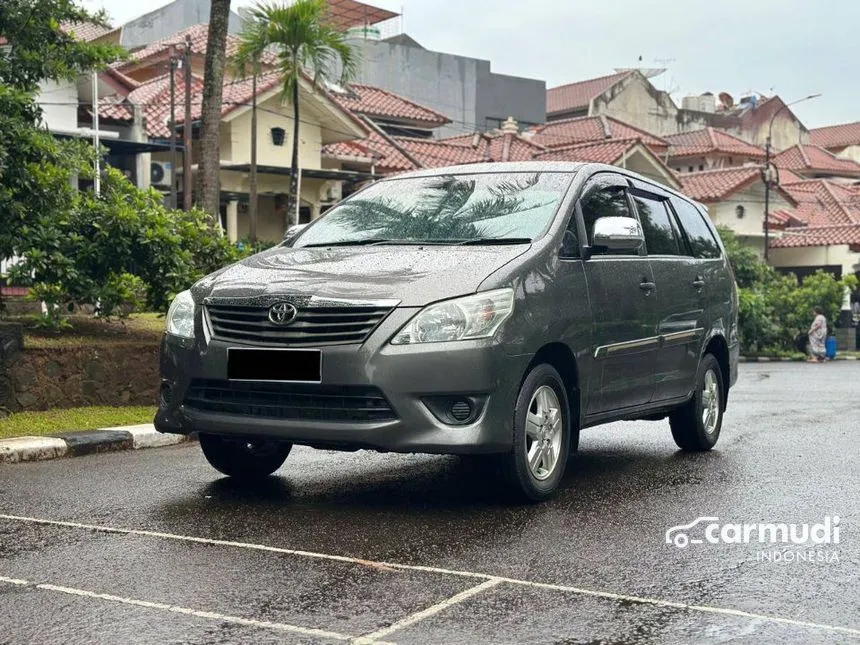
(791, 47)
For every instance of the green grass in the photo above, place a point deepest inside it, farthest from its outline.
(138, 328)
(27, 424)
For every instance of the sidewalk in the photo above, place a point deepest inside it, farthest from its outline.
(85, 442)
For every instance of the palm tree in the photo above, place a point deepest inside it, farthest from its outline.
(306, 46)
(208, 188)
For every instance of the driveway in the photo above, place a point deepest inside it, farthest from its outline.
(153, 547)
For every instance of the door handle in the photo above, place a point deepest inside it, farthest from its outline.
(647, 287)
(699, 282)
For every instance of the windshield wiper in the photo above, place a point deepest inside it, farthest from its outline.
(491, 241)
(368, 241)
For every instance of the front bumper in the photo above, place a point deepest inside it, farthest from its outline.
(405, 375)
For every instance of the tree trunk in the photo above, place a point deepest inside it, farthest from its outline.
(208, 187)
(293, 199)
(252, 198)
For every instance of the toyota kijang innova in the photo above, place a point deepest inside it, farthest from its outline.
(492, 309)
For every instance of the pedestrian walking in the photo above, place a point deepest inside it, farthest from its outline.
(817, 336)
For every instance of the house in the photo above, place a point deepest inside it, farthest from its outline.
(710, 149)
(323, 121)
(630, 96)
(735, 199)
(824, 232)
(841, 140)
(813, 162)
(627, 95)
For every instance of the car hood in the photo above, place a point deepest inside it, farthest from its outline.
(415, 275)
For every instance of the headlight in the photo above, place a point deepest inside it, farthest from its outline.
(466, 318)
(180, 316)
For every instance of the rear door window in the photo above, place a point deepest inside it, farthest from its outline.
(703, 244)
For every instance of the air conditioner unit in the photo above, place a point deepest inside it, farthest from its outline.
(161, 173)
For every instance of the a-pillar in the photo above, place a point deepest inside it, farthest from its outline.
(233, 220)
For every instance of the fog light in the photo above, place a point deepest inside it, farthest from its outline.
(461, 410)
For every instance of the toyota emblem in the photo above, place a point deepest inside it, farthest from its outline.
(282, 313)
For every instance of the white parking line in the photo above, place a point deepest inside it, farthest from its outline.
(210, 615)
(373, 637)
(453, 572)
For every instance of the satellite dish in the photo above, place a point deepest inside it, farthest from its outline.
(726, 99)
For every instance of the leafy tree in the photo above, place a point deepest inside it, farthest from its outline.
(34, 165)
(209, 188)
(306, 45)
(747, 266)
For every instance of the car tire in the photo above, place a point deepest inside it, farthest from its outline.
(534, 468)
(696, 425)
(244, 458)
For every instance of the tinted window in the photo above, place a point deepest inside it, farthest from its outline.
(570, 241)
(444, 208)
(605, 201)
(659, 234)
(702, 241)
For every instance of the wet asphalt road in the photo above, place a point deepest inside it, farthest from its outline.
(788, 453)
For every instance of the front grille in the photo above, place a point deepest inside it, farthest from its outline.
(313, 326)
(290, 401)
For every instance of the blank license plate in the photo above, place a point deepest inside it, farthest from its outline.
(295, 365)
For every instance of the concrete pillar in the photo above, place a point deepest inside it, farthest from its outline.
(142, 161)
(233, 220)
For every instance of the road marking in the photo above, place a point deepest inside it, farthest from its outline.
(657, 602)
(373, 637)
(210, 615)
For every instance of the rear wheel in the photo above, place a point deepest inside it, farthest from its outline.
(244, 458)
(541, 436)
(696, 424)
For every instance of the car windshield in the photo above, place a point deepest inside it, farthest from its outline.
(497, 208)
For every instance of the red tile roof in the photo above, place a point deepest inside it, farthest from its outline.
(808, 158)
(607, 152)
(432, 153)
(825, 203)
(493, 144)
(377, 148)
(710, 141)
(85, 31)
(379, 103)
(836, 136)
(817, 236)
(716, 185)
(592, 128)
(574, 96)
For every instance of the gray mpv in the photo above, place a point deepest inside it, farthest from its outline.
(491, 310)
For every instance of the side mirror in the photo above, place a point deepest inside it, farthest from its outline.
(617, 233)
(293, 231)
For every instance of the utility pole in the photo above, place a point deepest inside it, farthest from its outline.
(767, 179)
(97, 179)
(187, 129)
(173, 164)
(252, 206)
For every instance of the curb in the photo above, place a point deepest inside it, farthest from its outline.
(85, 442)
(774, 359)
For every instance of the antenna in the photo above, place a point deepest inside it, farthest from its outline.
(664, 62)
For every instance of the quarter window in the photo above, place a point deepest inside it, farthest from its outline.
(659, 234)
(702, 240)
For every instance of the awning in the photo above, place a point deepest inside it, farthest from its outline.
(125, 146)
(311, 173)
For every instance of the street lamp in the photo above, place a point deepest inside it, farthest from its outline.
(767, 172)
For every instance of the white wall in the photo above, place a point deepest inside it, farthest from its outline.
(851, 152)
(635, 101)
(750, 228)
(59, 103)
(817, 256)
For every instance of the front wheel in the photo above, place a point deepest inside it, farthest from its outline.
(541, 436)
(696, 424)
(244, 458)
